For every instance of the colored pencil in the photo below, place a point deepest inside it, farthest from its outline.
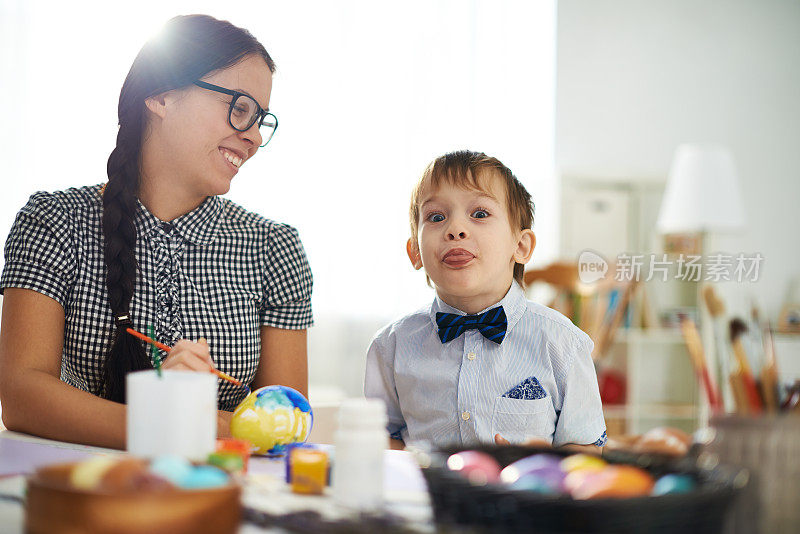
(165, 348)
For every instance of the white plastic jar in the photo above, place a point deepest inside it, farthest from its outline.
(360, 441)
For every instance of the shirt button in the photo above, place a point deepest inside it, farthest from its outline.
(471, 356)
(465, 416)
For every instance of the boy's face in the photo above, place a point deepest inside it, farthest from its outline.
(467, 245)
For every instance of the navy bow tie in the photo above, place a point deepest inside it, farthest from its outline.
(492, 324)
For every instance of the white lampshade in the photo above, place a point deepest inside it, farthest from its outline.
(702, 193)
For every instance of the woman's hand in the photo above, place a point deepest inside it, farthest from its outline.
(189, 356)
(224, 424)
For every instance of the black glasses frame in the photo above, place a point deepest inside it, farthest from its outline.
(259, 117)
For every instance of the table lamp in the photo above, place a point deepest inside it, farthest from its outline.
(702, 193)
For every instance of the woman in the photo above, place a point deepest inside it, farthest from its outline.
(156, 246)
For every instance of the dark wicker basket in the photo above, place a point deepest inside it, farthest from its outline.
(495, 508)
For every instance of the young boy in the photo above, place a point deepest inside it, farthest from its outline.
(481, 363)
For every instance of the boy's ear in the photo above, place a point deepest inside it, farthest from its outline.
(413, 254)
(525, 246)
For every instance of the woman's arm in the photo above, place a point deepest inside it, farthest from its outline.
(283, 360)
(34, 398)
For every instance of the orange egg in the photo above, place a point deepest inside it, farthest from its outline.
(617, 481)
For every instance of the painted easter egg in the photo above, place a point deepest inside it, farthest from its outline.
(578, 462)
(540, 473)
(477, 467)
(613, 481)
(673, 483)
(271, 418)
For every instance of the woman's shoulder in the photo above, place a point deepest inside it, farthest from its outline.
(68, 199)
(67, 202)
(236, 217)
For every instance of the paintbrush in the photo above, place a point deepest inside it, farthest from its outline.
(769, 373)
(695, 347)
(737, 328)
(165, 348)
(721, 360)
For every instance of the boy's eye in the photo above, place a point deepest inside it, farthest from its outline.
(480, 214)
(435, 217)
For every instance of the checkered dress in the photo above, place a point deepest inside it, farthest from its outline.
(217, 272)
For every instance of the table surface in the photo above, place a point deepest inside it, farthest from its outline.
(405, 493)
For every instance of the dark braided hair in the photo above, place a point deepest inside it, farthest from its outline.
(188, 48)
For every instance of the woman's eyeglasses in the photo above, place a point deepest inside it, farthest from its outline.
(244, 112)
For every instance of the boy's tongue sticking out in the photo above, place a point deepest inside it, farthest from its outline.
(458, 257)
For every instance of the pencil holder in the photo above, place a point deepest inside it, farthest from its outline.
(769, 448)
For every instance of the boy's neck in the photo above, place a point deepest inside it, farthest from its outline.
(474, 303)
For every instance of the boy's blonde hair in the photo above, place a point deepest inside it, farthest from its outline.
(464, 168)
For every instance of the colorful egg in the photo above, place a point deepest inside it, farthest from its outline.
(176, 469)
(540, 472)
(87, 474)
(271, 418)
(477, 467)
(664, 440)
(613, 481)
(578, 462)
(205, 476)
(673, 484)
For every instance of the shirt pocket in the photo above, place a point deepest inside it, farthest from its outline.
(519, 419)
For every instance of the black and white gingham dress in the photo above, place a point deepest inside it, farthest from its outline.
(218, 272)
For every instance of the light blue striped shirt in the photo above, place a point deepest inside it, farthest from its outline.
(465, 391)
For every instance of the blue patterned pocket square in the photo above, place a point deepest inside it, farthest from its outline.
(528, 389)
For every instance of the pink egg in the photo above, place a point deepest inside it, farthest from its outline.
(477, 467)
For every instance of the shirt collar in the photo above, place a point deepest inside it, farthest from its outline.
(514, 305)
(199, 226)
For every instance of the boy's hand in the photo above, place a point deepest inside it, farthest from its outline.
(541, 442)
(531, 442)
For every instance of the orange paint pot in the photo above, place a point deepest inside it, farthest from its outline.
(240, 447)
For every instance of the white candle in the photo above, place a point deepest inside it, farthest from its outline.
(175, 413)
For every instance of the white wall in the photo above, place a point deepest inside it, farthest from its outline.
(637, 77)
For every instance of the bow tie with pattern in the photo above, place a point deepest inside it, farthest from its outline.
(492, 324)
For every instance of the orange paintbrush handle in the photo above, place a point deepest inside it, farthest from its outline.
(695, 348)
(147, 339)
(165, 348)
(225, 376)
(753, 397)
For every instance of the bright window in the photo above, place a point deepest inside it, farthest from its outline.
(367, 93)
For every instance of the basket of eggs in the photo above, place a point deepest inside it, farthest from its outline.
(122, 495)
(544, 490)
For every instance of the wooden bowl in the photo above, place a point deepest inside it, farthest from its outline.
(53, 506)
